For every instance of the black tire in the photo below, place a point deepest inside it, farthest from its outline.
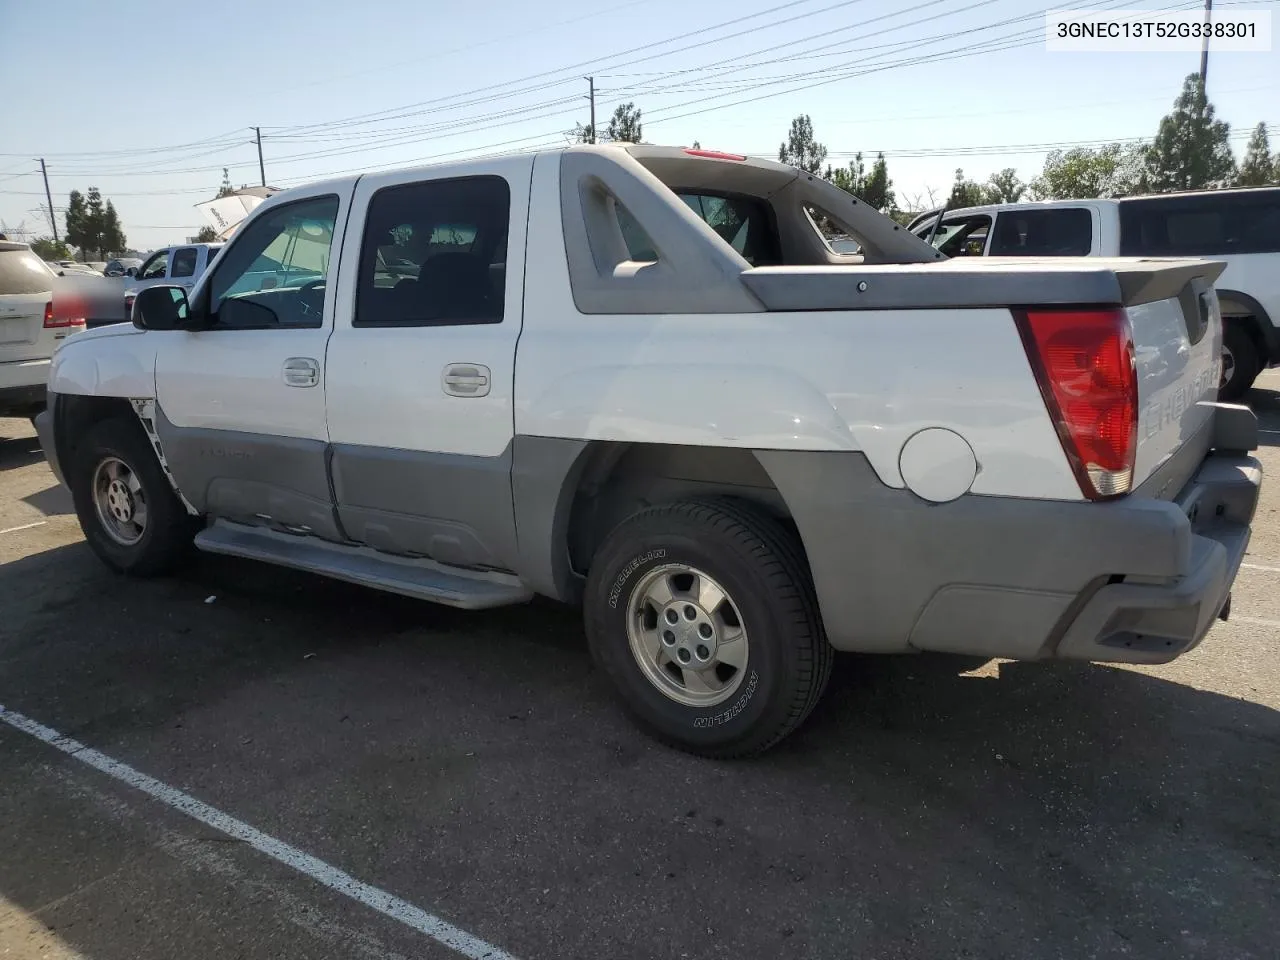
(166, 539)
(1240, 360)
(760, 566)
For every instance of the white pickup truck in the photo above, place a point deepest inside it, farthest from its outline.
(637, 379)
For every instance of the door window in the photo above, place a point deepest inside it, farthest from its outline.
(154, 269)
(184, 263)
(275, 272)
(966, 237)
(1054, 232)
(434, 254)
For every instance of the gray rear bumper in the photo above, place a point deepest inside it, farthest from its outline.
(1135, 622)
(1137, 580)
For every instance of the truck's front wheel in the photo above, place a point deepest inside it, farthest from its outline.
(702, 615)
(128, 511)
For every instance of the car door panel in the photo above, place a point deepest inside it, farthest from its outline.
(420, 410)
(241, 407)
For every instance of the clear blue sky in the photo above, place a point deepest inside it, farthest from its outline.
(149, 102)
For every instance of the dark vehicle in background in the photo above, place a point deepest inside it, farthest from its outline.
(121, 267)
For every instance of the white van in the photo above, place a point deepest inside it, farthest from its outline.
(1239, 227)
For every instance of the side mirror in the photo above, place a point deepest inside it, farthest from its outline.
(160, 308)
(130, 272)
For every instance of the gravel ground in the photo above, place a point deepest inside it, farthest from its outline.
(473, 765)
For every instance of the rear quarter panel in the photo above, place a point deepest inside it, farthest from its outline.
(821, 380)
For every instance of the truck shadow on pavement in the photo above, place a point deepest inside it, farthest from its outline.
(19, 452)
(1030, 810)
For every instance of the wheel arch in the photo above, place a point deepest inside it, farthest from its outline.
(599, 483)
(1254, 319)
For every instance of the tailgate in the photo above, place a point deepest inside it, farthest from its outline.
(21, 326)
(1177, 335)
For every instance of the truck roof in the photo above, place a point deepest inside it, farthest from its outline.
(1109, 201)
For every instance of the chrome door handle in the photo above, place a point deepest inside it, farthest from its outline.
(466, 380)
(301, 372)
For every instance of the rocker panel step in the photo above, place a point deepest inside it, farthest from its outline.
(410, 577)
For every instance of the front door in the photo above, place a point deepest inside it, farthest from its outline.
(421, 365)
(241, 403)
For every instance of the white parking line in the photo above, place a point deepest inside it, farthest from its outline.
(25, 526)
(1259, 566)
(385, 903)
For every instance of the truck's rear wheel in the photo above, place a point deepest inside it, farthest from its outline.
(129, 513)
(1240, 362)
(702, 615)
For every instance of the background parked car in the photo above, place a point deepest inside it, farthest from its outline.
(121, 267)
(182, 265)
(30, 329)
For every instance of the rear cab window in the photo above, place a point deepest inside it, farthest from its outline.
(745, 223)
(22, 272)
(1218, 224)
(1051, 232)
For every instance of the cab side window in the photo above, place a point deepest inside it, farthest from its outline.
(154, 269)
(184, 263)
(434, 254)
(275, 274)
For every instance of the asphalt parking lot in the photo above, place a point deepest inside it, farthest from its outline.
(472, 767)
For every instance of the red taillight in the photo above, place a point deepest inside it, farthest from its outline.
(57, 323)
(1084, 363)
(128, 307)
(715, 155)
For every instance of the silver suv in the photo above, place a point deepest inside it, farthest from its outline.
(30, 330)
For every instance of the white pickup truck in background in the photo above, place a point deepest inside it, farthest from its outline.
(637, 379)
(181, 266)
(1239, 227)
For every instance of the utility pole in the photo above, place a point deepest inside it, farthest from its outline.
(1204, 51)
(592, 82)
(53, 220)
(262, 170)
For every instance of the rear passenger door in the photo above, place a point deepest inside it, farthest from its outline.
(420, 368)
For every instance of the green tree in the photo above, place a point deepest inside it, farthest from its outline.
(226, 189)
(877, 189)
(1257, 169)
(584, 134)
(113, 238)
(624, 125)
(77, 221)
(966, 193)
(801, 149)
(92, 225)
(1005, 187)
(1083, 173)
(47, 248)
(206, 235)
(1191, 150)
(850, 179)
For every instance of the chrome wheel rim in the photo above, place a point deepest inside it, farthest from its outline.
(119, 501)
(687, 635)
(1228, 367)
